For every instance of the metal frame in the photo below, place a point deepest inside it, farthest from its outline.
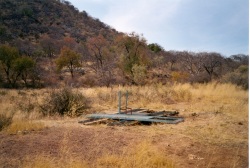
(136, 115)
(120, 104)
(141, 118)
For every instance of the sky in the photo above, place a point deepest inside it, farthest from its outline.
(194, 25)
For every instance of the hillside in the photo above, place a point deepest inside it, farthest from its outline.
(58, 64)
(32, 19)
(68, 47)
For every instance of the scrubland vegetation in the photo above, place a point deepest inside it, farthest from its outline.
(58, 64)
(216, 115)
(50, 43)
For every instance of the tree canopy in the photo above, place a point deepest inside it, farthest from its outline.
(68, 58)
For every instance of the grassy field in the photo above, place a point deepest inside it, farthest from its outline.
(214, 133)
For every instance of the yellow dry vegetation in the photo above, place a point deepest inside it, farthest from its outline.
(142, 155)
(24, 105)
(211, 97)
(24, 126)
(222, 111)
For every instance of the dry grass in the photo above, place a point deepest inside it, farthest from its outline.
(21, 102)
(186, 98)
(211, 97)
(143, 155)
(43, 161)
(21, 106)
(221, 119)
(222, 109)
(24, 126)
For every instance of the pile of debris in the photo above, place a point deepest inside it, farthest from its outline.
(129, 116)
(133, 117)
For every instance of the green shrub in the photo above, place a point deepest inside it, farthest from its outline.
(64, 102)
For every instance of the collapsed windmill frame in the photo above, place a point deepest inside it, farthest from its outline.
(129, 115)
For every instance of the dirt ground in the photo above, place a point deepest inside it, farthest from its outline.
(203, 140)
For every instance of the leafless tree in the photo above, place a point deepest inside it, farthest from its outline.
(212, 63)
(172, 57)
(102, 58)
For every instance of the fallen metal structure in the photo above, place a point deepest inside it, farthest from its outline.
(129, 116)
(139, 115)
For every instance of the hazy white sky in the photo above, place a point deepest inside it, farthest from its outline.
(195, 25)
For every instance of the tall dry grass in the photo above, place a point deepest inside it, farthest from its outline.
(211, 97)
(24, 105)
(24, 126)
(20, 107)
(200, 97)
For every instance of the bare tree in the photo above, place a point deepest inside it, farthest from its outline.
(48, 45)
(102, 58)
(212, 63)
(192, 62)
(171, 57)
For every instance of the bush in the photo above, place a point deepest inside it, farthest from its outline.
(139, 73)
(238, 77)
(64, 102)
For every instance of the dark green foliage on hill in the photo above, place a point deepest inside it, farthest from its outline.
(155, 47)
(33, 18)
